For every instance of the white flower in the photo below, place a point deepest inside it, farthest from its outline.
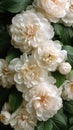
(28, 73)
(5, 117)
(68, 18)
(67, 92)
(22, 120)
(53, 9)
(44, 99)
(6, 75)
(64, 68)
(6, 107)
(50, 55)
(27, 30)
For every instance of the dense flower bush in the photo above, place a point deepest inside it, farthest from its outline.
(36, 64)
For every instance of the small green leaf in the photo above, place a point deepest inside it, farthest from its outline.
(48, 125)
(40, 126)
(68, 106)
(55, 127)
(59, 78)
(12, 53)
(1, 6)
(69, 50)
(71, 128)
(71, 120)
(63, 33)
(15, 99)
(4, 40)
(15, 6)
(60, 120)
(58, 29)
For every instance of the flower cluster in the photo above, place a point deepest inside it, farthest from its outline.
(32, 33)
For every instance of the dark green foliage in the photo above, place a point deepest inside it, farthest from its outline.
(58, 122)
(69, 50)
(59, 78)
(14, 6)
(15, 99)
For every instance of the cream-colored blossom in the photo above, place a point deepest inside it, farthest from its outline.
(6, 107)
(50, 55)
(64, 68)
(44, 99)
(67, 92)
(68, 18)
(52, 9)
(27, 72)
(28, 29)
(6, 75)
(5, 117)
(22, 120)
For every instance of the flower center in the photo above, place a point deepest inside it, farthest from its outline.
(31, 72)
(71, 7)
(57, 2)
(71, 87)
(23, 118)
(42, 99)
(5, 71)
(2, 117)
(30, 31)
(48, 58)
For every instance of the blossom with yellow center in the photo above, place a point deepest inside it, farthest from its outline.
(21, 119)
(5, 117)
(52, 9)
(68, 18)
(27, 72)
(27, 30)
(50, 55)
(44, 99)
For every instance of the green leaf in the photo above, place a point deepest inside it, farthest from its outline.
(15, 99)
(64, 34)
(68, 106)
(12, 53)
(71, 128)
(69, 50)
(71, 120)
(59, 78)
(40, 126)
(4, 40)
(51, 125)
(60, 120)
(15, 6)
(58, 29)
(48, 125)
(55, 127)
(1, 6)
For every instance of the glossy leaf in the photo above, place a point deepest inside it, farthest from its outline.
(12, 53)
(15, 6)
(69, 50)
(68, 106)
(59, 78)
(15, 99)
(63, 33)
